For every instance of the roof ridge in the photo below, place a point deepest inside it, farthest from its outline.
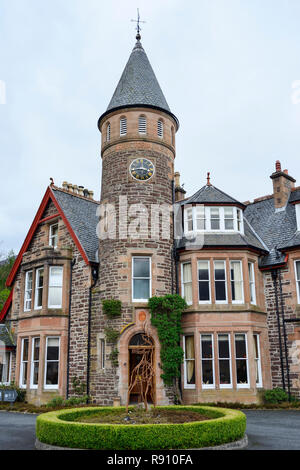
(56, 188)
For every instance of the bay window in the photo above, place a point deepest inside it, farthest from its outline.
(55, 287)
(35, 362)
(28, 292)
(187, 284)
(220, 281)
(204, 281)
(24, 362)
(52, 362)
(207, 361)
(241, 359)
(39, 285)
(257, 360)
(236, 280)
(141, 279)
(224, 361)
(189, 361)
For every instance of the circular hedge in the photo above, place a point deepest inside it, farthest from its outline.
(58, 428)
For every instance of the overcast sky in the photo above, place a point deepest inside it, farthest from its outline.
(227, 69)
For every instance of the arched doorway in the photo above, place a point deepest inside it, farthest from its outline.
(141, 352)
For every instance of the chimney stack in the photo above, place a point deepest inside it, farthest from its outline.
(179, 191)
(282, 186)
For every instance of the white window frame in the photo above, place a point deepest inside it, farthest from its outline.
(186, 385)
(209, 281)
(223, 386)
(142, 125)
(213, 385)
(183, 283)
(56, 287)
(148, 278)
(252, 283)
(26, 291)
(51, 387)
(22, 362)
(37, 275)
(225, 270)
(207, 217)
(239, 302)
(297, 280)
(9, 353)
(53, 237)
(123, 126)
(259, 384)
(33, 386)
(247, 385)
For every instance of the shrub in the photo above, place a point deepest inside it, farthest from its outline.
(55, 402)
(111, 335)
(277, 395)
(114, 357)
(58, 428)
(76, 400)
(112, 308)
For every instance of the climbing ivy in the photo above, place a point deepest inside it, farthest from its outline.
(166, 315)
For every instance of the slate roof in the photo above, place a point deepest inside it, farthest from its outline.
(138, 84)
(276, 228)
(81, 214)
(211, 194)
(5, 337)
(295, 196)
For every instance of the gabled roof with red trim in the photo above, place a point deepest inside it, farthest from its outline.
(80, 217)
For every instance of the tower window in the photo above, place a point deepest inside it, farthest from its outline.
(160, 128)
(142, 125)
(123, 126)
(108, 132)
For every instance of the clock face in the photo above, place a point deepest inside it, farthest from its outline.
(141, 169)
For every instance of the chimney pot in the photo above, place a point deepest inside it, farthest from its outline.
(286, 172)
(65, 185)
(91, 194)
(80, 190)
(177, 179)
(278, 166)
(75, 189)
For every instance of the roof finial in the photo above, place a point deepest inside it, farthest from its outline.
(52, 182)
(208, 179)
(138, 28)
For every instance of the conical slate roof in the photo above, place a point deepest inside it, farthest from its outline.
(138, 85)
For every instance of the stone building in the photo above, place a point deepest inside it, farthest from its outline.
(236, 264)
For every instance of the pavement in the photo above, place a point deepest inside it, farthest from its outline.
(266, 430)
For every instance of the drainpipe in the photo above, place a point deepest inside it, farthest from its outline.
(285, 338)
(94, 280)
(69, 327)
(173, 262)
(274, 278)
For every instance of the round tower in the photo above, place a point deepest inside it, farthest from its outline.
(137, 192)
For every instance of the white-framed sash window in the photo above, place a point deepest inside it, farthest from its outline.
(52, 356)
(189, 361)
(241, 360)
(39, 286)
(24, 362)
(252, 282)
(35, 362)
(257, 359)
(220, 282)
(141, 278)
(53, 235)
(28, 291)
(215, 219)
(187, 284)
(207, 361)
(224, 357)
(236, 281)
(55, 287)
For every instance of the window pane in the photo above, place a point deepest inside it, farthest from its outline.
(204, 294)
(219, 271)
(228, 213)
(25, 349)
(52, 373)
(214, 219)
(35, 378)
(141, 289)
(189, 347)
(55, 296)
(223, 346)
(240, 346)
(203, 271)
(36, 349)
(241, 371)
(53, 349)
(40, 278)
(187, 272)
(206, 347)
(256, 347)
(24, 374)
(224, 367)
(141, 267)
(220, 290)
(207, 373)
(236, 281)
(298, 270)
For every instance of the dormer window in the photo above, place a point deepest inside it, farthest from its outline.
(213, 219)
(123, 126)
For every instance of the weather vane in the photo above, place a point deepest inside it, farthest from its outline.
(138, 28)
